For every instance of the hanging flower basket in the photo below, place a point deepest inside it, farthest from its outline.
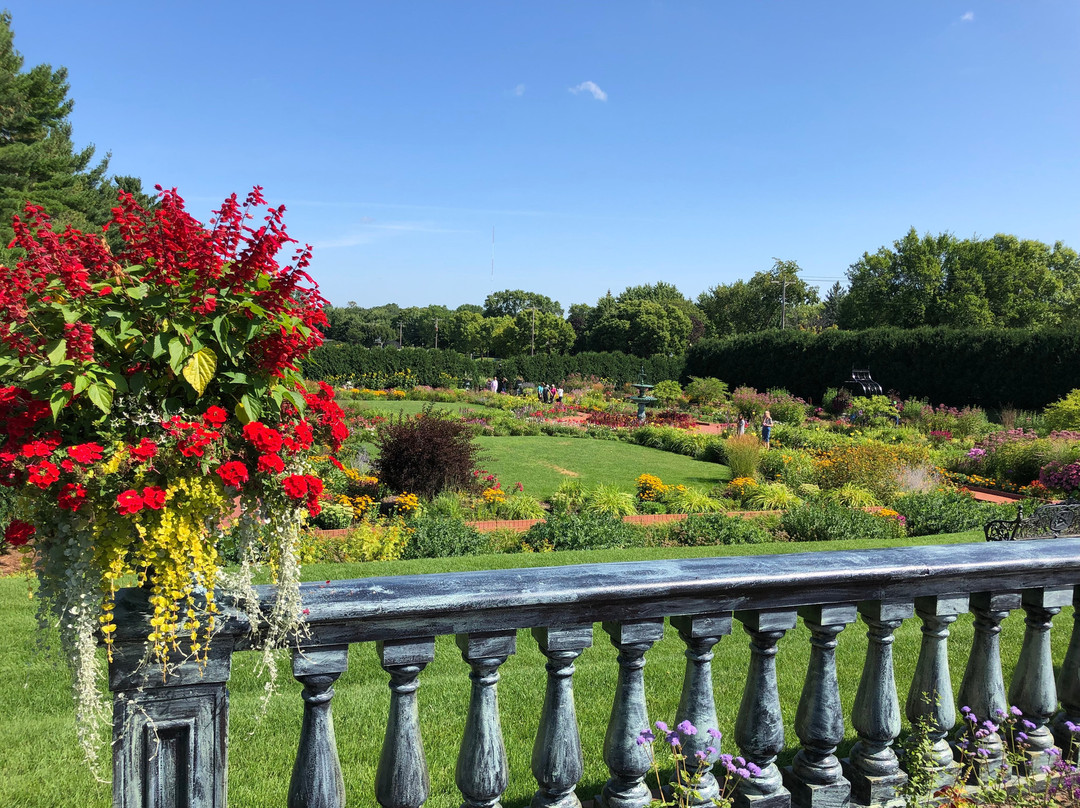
(145, 395)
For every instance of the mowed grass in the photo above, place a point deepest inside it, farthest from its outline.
(542, 463)
(42, 768)
(413, 407)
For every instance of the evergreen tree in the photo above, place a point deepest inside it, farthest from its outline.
(38, 161)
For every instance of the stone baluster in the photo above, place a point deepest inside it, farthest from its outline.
(816, 778)
(931, 695)
(402, 778)
(759, 728)
(872, 768)
(696, 703)
(983, 688)
(316, 775)
(170, 736)
(1069, 690)
(481, 773)
(557, 762)
(1032, 689)
(627, 761)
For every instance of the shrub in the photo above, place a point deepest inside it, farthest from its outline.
(870, 464)
(947, 512)
(448, 505)
(333, 516)
(669, 392)
(1064, 413)
(426, 455)
(706, 390)
(368, 541)
(772, 497)
(791, 467)
(743, 455)
(609, 500)
(441, 537)
(717, 528)
(521, 506)
(587, 531)
(681, 499)
(568, 497)
(825, 521)
(852, 496)
(741, 488)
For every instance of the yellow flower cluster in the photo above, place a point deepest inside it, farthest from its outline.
(887, 513)
(359, 504)
(407, 503)
(368, 541)
(494, 496)
(740, 487)
(650, 488)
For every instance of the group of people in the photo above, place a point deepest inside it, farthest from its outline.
(547, 393)
(766, 427)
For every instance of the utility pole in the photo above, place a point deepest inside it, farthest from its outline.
(532, 337)
(783, 301)
(400, 334)
(436, 333)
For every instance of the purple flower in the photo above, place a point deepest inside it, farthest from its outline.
(645, 737)
(700, 755)
(1069, 725)
(660, 725)
(753, 769)
(715, 733)
(686, 728)
(744, 773)
(710, 750)
(1021, 736)
(673, 739)
(1015, 711)
(983, 753)
(725, 759)
(1028, 724)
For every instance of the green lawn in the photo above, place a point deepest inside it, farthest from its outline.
(542, 463)
(413, 407)
(41, 766)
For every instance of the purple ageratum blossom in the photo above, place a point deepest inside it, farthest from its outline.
(1071, 727)
(660, 725)
(743, 773)
(710, 750)
(701, 755)
(645, 737)
(1015, 710)
(725, 759)
(754, 769)
(1021, 736)
(673, 739)
(1028, 724)
(686, 728)
(715, 733)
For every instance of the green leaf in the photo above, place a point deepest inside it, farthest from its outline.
(101, 396)
(137, 382)
(70, 314)
(58, 352)
(221, 328)
(295, 399)
(159, 346)
(235, 377)
(138, 292)
(177, 354)
(248, 410)
(81, 383)
(200, 369)
(58, 400)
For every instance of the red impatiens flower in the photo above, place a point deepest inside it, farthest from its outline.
(18, 533)
(153, 497)
(145, 451)
(85, 452)
(271, 464)
(233, 473)
(215, 416)
(71, 497)
(43, 474)
(129, 502)
(265, 439)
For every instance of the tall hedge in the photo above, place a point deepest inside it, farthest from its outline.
(1024, 368)
(339, 362)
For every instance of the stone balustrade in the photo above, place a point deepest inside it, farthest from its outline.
(171, 736)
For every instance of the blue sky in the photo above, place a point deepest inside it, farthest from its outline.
(608, 143)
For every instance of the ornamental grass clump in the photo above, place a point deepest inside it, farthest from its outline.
(144, 395)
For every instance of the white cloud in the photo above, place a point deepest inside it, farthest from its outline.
(968, 17)
(519, 90)
(590, 87)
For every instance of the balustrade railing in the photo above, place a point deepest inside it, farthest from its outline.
(171, 736)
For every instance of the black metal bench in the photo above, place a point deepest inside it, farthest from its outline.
(1047, 522)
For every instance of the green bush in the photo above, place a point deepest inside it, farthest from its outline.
(568, 497)
(582, 532)
(789, 466)
(440, 537)
(609, 500)
(706, 390)
(1064, 413)
(668, 392)
(947, 512)
(521, 506)
(825, 521)
(333, 516)
(716, 528)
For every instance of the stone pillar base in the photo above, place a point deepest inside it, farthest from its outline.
(874, 790)
(780, 798)
(813, 795)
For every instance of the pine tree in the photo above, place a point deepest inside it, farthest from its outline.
(38, 161)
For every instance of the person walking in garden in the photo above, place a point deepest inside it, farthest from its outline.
(766, 428)
(741, 429)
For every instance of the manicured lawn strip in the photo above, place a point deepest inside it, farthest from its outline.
(42, 768)
(542, 463)
(413, 407)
